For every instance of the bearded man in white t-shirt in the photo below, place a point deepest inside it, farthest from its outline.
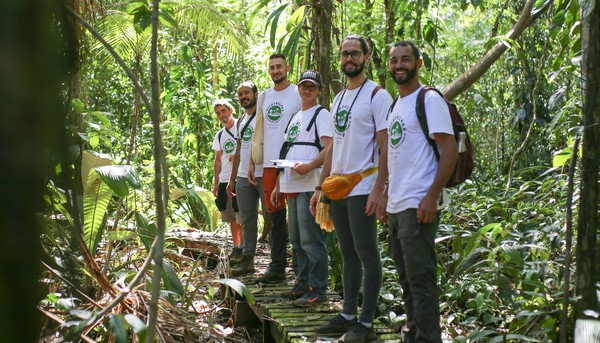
(278, 104)
(248, 193)
(360, 133)
(416, 190)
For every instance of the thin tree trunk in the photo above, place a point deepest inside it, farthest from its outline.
(587, 259)
(375, 53)
(568, 247)
(160, 178)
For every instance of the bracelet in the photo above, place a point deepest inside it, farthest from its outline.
(318, 188)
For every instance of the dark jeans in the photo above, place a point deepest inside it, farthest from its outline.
(357, 236)
(412, 246)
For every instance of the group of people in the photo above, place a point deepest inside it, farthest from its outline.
(402, 183)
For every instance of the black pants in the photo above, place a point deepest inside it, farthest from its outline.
(412, 246)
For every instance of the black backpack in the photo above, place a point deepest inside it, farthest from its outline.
(287, 145)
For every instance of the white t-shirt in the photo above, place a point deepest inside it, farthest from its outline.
(354, 140)
(290, 181)
(412, 163)
(278, 108)
(246, 147)
(225, 141)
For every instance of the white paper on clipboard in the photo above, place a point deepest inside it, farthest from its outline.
(287, 163)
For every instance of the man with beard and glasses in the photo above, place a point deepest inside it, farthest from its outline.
(278, 104)
(359, 145)
(416, 190)
(248, 194)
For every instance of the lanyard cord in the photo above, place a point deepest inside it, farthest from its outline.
(337, 111)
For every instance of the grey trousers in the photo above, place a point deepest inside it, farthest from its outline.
(248, 197)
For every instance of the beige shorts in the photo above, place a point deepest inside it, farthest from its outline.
(229, 215)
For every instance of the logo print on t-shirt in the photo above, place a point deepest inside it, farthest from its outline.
(293, 132)
(229, 147)
(396, 132)
(247, 136)
(274, 112)
(341, 121)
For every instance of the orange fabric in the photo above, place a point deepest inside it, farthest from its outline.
(269, 178)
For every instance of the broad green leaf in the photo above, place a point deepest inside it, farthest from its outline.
(137, 325)
(119, 178)
(78, 105)
(172, 282)
(95, 202)
(297, 18)
(562, 157)
(239, 288)
(119, 327)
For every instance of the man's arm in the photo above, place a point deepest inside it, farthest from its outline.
(324, 174)
(303, 168)
(382, 173)
(234, 169)
(217, 170)
(427, 210)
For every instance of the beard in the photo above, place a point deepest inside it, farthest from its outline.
(250, 104)
(410, 74)
(359, 69)
(279, 80)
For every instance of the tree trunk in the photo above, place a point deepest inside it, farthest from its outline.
(390, 20)
(32, 120)
(375, 53)
(160, 177)
(588, 262)
(322, 27)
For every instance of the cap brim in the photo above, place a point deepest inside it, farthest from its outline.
(310, 80)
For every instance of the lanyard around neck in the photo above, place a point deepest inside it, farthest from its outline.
(337, 111)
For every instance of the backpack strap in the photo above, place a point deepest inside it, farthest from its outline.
(312, 122)
(375, 90)
(422, 117)
(219, 136)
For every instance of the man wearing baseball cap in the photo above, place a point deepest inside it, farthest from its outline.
(306, 135)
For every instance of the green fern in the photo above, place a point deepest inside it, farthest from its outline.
(95, 202)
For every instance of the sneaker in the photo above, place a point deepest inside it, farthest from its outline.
(235, 257)
(294, 293)
(244, 267)
(338, 325)
(311, 299)
(359, 334)
(270, 277)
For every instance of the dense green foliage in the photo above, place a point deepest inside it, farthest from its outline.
(501, 245)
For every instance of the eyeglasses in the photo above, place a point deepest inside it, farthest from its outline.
(354, 53)
(309, 87)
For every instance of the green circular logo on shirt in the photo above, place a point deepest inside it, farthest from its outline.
(293, 133)
(396, 134)
(247, 136)
(341, 121)
(229, 147)
(274, 112)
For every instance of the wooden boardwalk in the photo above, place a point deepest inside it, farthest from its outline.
(280, 320)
